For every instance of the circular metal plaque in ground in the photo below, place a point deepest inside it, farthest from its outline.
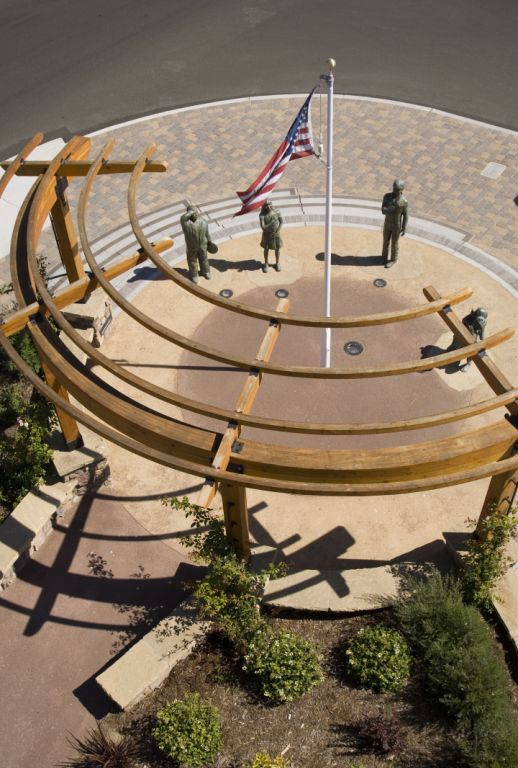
(380, 282)
(282, 293)
(353, 348)
(226, 293)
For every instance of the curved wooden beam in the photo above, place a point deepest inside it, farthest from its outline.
(265, 466)
(123, 413)
(259, 422)
(326, 489)
(262, 314)
(246, 364)
(12, 167)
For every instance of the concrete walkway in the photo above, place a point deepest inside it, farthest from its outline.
(99, 581)
(89, 580)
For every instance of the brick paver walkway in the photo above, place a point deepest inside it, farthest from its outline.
(215, 150)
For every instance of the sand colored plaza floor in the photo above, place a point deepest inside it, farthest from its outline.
(317, 532)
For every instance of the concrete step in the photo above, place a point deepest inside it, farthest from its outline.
(357, 589)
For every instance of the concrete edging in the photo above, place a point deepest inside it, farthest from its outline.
(147, 663)
(31, 521)
(28, 525)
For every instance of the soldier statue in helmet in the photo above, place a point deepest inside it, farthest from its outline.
(395, 208)
(197, 243)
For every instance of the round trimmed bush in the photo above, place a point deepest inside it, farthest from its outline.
(263, 760)
(378, 658)
(189, 731)
(285, 665)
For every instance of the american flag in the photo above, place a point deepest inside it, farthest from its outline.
(298, 143)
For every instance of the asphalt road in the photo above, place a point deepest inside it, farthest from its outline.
(72, 66)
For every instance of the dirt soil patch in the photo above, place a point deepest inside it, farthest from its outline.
(320, 730)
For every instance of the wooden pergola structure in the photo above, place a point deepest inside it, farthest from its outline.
(226, 460)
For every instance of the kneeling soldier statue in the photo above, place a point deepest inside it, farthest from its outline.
(476, 323)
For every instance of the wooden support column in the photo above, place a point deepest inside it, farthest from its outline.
(235, 510)
(234, 496)
(65, 233)
(500, 495)
(69, 427)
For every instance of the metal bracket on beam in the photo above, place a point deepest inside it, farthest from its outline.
(447, 309)
(61, 186)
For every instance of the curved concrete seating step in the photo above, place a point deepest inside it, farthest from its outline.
(348, 591)
(298, 210)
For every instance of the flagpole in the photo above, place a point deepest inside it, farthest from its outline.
(325, 357)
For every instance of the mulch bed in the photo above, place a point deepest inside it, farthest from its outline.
(320, 730)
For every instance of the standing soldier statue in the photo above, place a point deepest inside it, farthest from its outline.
(197, 242)
(271, 222)
(395, 208)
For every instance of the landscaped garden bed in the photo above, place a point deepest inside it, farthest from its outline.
(422, 683)
(321, 729)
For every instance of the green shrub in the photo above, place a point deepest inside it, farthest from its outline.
(466, 673)
(210, 541)
(493, 744)
(263, 760)
(24, 458)
(97, 749)
(486, 561)
(12, 404)
(431, 612)
(229, 595)
(189, 731)
(22, 342)
(469, 677)
(378, 658)
(286, 666)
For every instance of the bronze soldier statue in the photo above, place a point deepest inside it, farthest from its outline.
(476, 323)
(271, 222)
(395, 208)
(197, 240)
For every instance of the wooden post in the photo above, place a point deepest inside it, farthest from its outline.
(65, 233)
(235, 511)
(499, 496)
(69, 427)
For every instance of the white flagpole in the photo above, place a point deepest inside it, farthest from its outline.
(325, 358)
